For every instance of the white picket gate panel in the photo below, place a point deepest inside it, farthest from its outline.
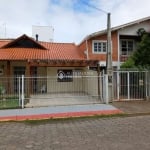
(131, 85)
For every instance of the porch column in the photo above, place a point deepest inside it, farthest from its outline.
(98, 72)
(8, 76)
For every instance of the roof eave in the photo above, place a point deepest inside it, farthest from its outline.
(102, 32)
(23, 36)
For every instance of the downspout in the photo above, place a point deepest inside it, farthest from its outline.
(118, 66)
(87, 50)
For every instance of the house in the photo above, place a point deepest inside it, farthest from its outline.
(37, 61)
(124, 42)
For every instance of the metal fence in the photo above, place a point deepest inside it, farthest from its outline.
(131, 85)
(43, 91)
(50, 90)
(11, 92)
(20, 92)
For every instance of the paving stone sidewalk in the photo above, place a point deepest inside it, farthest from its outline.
(133, 107)
(126, 133)
(110, 133)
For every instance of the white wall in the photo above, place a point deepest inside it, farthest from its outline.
(85, 83)
(54, 86)
(91, 84)
(132, 30)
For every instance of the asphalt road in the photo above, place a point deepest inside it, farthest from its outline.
(117, 133)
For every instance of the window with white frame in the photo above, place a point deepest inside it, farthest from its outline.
(127, 47)
(99, 46)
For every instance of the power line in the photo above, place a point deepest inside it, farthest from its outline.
(92, 6)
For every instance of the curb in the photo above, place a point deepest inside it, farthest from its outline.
(137, 114)
(59, 115)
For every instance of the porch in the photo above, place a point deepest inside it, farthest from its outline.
(64, 90)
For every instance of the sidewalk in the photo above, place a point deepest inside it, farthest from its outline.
(133, 107)
(57, 112)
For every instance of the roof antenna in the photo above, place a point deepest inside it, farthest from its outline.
(36, 36)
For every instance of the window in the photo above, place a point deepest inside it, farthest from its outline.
(65, 75)
(99, 46)
(127, 47)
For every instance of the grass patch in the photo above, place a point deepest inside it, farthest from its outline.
(9, 103)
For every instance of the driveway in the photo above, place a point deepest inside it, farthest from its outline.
(118, 133)
(133, 107)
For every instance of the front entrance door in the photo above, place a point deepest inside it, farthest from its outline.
(18, 72)
(33, 73)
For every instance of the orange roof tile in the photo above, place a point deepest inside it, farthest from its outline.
(53, 51)
(4, 42)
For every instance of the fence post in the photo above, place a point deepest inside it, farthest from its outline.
(22, 91)
(98, 72)
(148, 85)
(128, 82)
(19, 93)
(106, 89)
(118, 85)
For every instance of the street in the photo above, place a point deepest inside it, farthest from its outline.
(110, 133)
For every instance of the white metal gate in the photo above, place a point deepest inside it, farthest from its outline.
(131, 85)
(78, 90)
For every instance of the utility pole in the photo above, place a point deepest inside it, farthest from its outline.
(109, 60)
(109, 70)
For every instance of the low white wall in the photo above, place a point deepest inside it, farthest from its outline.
(54, 86)
(87, 82)
(91, 84)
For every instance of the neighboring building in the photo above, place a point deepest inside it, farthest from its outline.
(43, 33)
(124, 42)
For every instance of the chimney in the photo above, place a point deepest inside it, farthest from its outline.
(36, 36)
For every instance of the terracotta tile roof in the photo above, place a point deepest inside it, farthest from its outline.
(4, 42)
(53, 51)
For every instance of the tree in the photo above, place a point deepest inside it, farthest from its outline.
(141, 57)
(129, 63)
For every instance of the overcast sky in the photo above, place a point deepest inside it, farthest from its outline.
(72, 20)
